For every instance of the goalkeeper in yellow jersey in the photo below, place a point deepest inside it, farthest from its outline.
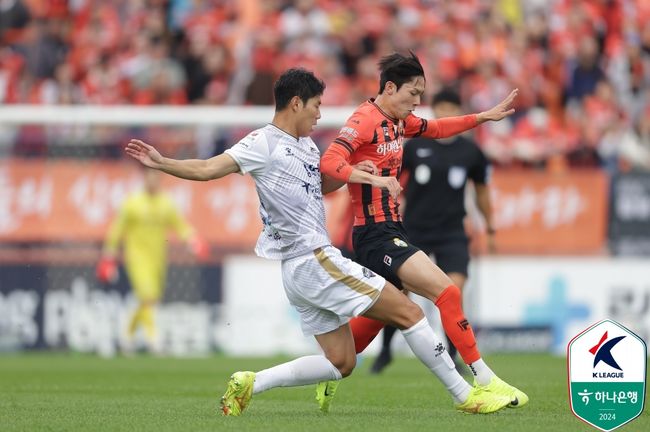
(142, 226)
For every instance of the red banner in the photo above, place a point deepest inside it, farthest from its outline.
(76, 201)
(534, 212)
(537, 212)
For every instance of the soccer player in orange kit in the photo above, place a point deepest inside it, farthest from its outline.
(375, 132)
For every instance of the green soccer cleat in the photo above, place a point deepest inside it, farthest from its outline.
(325, 391)
(500, 387)
(238, 394)
(482, 401)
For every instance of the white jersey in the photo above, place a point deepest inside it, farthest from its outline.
(287, 177)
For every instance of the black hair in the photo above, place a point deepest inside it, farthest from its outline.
(296, 82)
(399, 69)
(446, 95)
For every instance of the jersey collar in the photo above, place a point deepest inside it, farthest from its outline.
(393, 119)
(284, 132)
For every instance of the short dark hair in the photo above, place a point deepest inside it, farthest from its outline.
(446, 95)
(399, 69)
(296, 82)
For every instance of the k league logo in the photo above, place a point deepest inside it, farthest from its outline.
(607, 375)
(603, 352)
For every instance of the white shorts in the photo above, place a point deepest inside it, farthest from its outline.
(328, 289)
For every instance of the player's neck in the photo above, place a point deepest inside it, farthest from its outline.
(286, 124)
(384, 105)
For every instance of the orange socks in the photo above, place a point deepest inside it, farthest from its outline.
(364, 331)
(453, 319)
(456, 325)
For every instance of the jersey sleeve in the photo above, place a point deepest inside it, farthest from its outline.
(481, 170)
(251, 153)
(441, 128)
(335, 162)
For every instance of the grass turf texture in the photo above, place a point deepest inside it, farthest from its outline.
(55, 392)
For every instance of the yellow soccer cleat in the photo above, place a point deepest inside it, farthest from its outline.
(482, 401)
(325, 394)
(238, 394)
(500, 387)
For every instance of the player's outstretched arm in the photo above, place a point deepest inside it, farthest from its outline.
(499, 111)
(190, 169)
(450, 126)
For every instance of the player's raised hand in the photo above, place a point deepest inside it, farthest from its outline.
(500, 111)
(144, 153)
(389, 183)
(367, 166)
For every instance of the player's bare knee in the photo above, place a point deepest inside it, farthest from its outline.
(413, 314)
(344, 363)
(347, 369)
(408, 315)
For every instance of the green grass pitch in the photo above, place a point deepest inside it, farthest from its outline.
(68, 392)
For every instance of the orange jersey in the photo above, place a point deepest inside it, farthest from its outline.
(371, 134)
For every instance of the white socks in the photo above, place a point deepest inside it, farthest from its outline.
(481, 372)
(298, 372)
(430, 350)
(421, 339)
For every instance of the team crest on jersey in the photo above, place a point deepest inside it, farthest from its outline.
(422, 174)
(457, 176)
(384, 127)
(367, 273)
(399, 242)
(399, 128)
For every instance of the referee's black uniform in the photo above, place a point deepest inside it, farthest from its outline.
(435, 196)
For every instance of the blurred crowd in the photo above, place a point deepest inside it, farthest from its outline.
(582, 66)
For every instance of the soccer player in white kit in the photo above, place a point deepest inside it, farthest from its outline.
(324, 287)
